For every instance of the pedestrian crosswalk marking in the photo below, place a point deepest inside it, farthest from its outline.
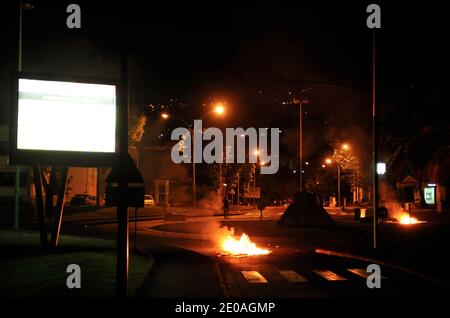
(329, 275)
(293, 277)
(254, 277)
(361, 272)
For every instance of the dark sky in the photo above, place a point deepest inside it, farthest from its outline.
(251, 55)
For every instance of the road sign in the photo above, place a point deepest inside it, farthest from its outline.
(128, 168)
(135, 193)
(134, 196)
(261, 206)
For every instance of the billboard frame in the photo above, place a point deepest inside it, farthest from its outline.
(56, 157)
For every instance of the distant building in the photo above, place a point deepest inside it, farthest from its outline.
(155, 164)
(81, 180)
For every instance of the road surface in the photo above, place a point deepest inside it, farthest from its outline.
(190, 265)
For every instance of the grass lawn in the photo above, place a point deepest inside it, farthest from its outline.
(28, 271)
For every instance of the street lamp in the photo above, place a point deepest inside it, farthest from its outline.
(328, 161)
(219, 110)
(300, 102)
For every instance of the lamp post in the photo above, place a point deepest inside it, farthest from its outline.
(329, 161)
(300, 102)
(219, 109)
(345, 147)
(375, 141)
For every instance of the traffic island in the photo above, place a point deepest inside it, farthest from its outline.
(305, 211)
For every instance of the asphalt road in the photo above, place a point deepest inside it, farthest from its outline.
(189, 266)
(290, 274)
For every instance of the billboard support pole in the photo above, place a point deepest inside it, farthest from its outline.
(59, 208)
(40, 205)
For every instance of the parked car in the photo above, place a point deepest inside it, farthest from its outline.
(82, 199)
(148, 200)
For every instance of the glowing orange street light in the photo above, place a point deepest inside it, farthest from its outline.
(165, 115)
(219, 109)
(328, 161)
(346, 146)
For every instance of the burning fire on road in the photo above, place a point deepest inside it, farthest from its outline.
(407, 219)
(242, 247)
(399, 215)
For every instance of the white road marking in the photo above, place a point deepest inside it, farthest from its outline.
(254, 277)
(293, 277)
(329, 275)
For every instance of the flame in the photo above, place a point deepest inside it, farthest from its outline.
(242, 247)
(407, 219)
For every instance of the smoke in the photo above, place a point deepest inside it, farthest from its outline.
(390, 201)
(214, 231)
(211, 201)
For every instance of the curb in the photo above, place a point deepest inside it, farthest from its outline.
(138, 292)
(223, 286)
(384, 263)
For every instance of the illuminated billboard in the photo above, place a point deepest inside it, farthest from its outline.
(429, 195)
(61, 121)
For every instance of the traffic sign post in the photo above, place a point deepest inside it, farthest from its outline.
(261, 206)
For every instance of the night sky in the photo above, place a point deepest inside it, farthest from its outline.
(251, 56)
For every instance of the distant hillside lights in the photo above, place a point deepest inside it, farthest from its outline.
(236, 151)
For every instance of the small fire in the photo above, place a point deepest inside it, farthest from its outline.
(407, 219)
(242, 247)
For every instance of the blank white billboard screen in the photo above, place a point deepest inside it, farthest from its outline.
(66, 116)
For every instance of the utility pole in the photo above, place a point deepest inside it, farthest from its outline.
(17, 175)
(301, 146)
(238, 191)
(339, 184)
(300, 101)
(122, 208)
(375, 150)
(194, 186)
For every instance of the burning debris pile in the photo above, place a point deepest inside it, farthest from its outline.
(407, 219)
(242, 247)
(398, 215)
(227, 243)
(396, 212)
